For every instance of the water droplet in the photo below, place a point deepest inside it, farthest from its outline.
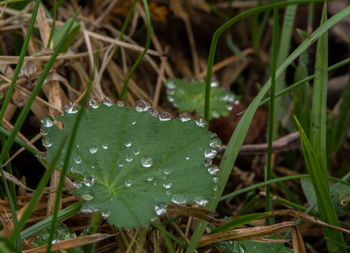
(187, 158)
(142, 106)
(213, 170)
(105, 214)
(210, 153)
(47, 121)
(179, 199)
(71, 108)
(128, 183)
(184, 117)
(47, 142)
(77, 183)
(236, 102)
(166, 171)
(94, 103)
(133, 122)
(89, 181)
(164, 116)
(77, 146)
(105, 146)
(146, 161)
(120, 164)
(149, 179)
(208, 162)
(214, 84)
(229, 107)
(128, 144)
(216, 179)
(44, 131)
(215, 188)
(201, 123)
(93, 149)
(77, 160)
(87, 196)
(171, 99)
(215, 143)
(129, 159)
(167, 185)
(107, 101)
(77, 169)
(136, 151)
(41, 155)
(153, 111)
(120, 103)
(160, 209)
(167, 193)
(171, 85)
(201, 201)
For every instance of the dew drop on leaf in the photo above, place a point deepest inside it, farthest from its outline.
(93, 149)
(149, 179)
(128, 144)
(120, 164)
(107, 101)
(160, 209)
(213, 170)
(77, 183)
(170, 85)
(166, 171)
(208, 162)
(167, 185)
(179, 199)
(136, 151)
(105, 214)
(89, 181)
(105, 146)
(201, 123)
(146, 161)
(70, 108)
(87, 196)
(187, 158)
(201, 201)
(133, 122)
(214, 84)
(77, 159)
(216, 180)
(47, 142)
(153, 111)
(142, 106)
(93, 103)
(164, 116)
(210, 153)
(120, 103)
(47, 121)
(44, 131)
(184, 117)
(215, 143)
(128, 183)
(129, 158)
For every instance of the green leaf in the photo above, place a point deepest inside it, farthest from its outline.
(340, 196)
(190, 97)
(134, 163)
(61, 31)
(252, 247)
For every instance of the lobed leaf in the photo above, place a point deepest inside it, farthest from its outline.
(133, 163)
(190, 97)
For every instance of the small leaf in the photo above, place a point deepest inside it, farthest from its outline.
(61, 31)
(133, 163)
(340, 196)
(190, 97)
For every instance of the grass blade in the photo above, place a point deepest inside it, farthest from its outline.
(321, 187)
(238, 136)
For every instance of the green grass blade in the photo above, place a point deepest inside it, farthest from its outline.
(283, 51)
(36, 197)
(321, 187)
(318, 130)
(139, 59)
(238, 136)
(272, 123)
(306, 80)
(62, 215)
(225, 26)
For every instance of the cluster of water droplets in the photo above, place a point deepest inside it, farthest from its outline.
(46, 123)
